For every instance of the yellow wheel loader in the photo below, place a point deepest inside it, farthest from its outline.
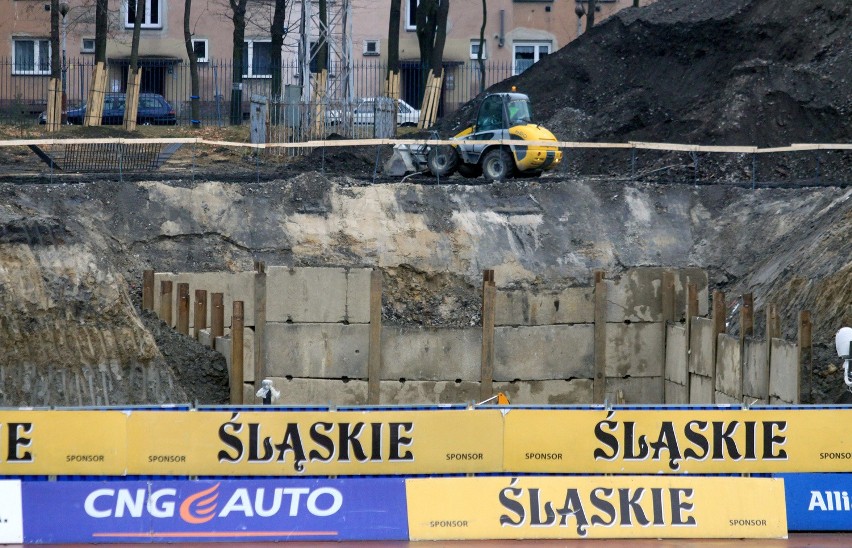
(502, 117)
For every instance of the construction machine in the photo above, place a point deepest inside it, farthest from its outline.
(504, 117)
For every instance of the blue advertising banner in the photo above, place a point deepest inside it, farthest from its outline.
(271, 509)
(818, 502)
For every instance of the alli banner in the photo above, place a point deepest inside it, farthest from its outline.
(819, 502)
(300, 443)
(677, 441)
(182, 511)
(47, 442)
(575, 507)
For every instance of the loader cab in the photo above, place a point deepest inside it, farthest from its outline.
(501, 111)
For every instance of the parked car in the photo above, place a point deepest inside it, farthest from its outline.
(364, 113)
(153, 110)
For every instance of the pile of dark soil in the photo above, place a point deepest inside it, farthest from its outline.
(728, 72)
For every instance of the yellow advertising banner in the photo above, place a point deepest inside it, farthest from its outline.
(675, 441)
(50, 442)
(282, 443)
(569, 507)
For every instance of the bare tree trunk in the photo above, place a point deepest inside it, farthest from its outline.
(238, 16)
(322, 52)
(426, 16)
(277, 43)
(590, 16)
(480, 58)
(635, 3)
(437, 61)
(195, 87)
(101, 30)
(393, 37)
(55, 62)
(131, 103)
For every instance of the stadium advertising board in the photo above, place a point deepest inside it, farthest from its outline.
(676, 441)
(818, 502)
(11, 516)
(315, 443)
(35, 442)
(568, 507)
(222, 510)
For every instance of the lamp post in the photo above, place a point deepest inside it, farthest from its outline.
(63, 11)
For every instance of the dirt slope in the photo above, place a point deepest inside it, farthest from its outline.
(733, 72)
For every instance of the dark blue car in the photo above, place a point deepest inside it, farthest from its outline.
(153, 110)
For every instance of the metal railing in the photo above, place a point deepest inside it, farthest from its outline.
(23, 97)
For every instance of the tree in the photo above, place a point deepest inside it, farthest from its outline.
(131, 100)
(195, 86)
(238, 16)
(55, 66)
(393, 44)
(277, 33)
(101, 30)
(590, 16)
(432, 34)
(479, 55)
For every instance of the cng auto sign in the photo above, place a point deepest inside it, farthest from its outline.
(220, 510)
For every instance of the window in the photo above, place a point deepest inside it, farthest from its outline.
(525, 54)
(88, 45)
(199, 45)
(411, 14)
(153, 17)
(31, 56)
(371, 47)
(474, 49)
(257, 59)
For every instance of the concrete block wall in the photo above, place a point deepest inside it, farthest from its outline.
(784, 377)
(728, 369)
(755, 371)
(676, 373)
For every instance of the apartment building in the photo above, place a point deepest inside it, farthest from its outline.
(518, 33)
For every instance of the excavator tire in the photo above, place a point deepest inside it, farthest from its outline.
(442, 161)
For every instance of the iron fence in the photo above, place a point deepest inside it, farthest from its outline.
(23, 97)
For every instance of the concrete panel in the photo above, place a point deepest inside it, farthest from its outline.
(234, 286)
(634, 350)
(728, 366)
(331, 392)
(433, 354)
(223, 346)
(724, 399)
(700, 390)
(701, 347)
(637, 294)
(526, 307)
(204, 338)
(316, 350)
(784, 371)
(306, 295)
(676, 394)
(635, 389)
(755, 373)
(428, 392)
(544, 352)
(558, 392)
(676, 361)
(358, 295)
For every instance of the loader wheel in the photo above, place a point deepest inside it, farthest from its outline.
(497, 165)
(442, 161)
(470, 171)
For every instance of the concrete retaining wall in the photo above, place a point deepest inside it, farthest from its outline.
(316, 343)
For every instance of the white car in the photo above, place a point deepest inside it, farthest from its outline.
(363, 115)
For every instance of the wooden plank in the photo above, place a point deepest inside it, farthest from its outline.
(259, 324)
(746, 331)
(772, 329)
(183, 309)
(600, 337)
(374, 358)
(237, 326)
(97, 92)
(54, 104)
(131, 103)
(489, 298)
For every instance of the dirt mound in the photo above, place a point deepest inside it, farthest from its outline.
(728, 72)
